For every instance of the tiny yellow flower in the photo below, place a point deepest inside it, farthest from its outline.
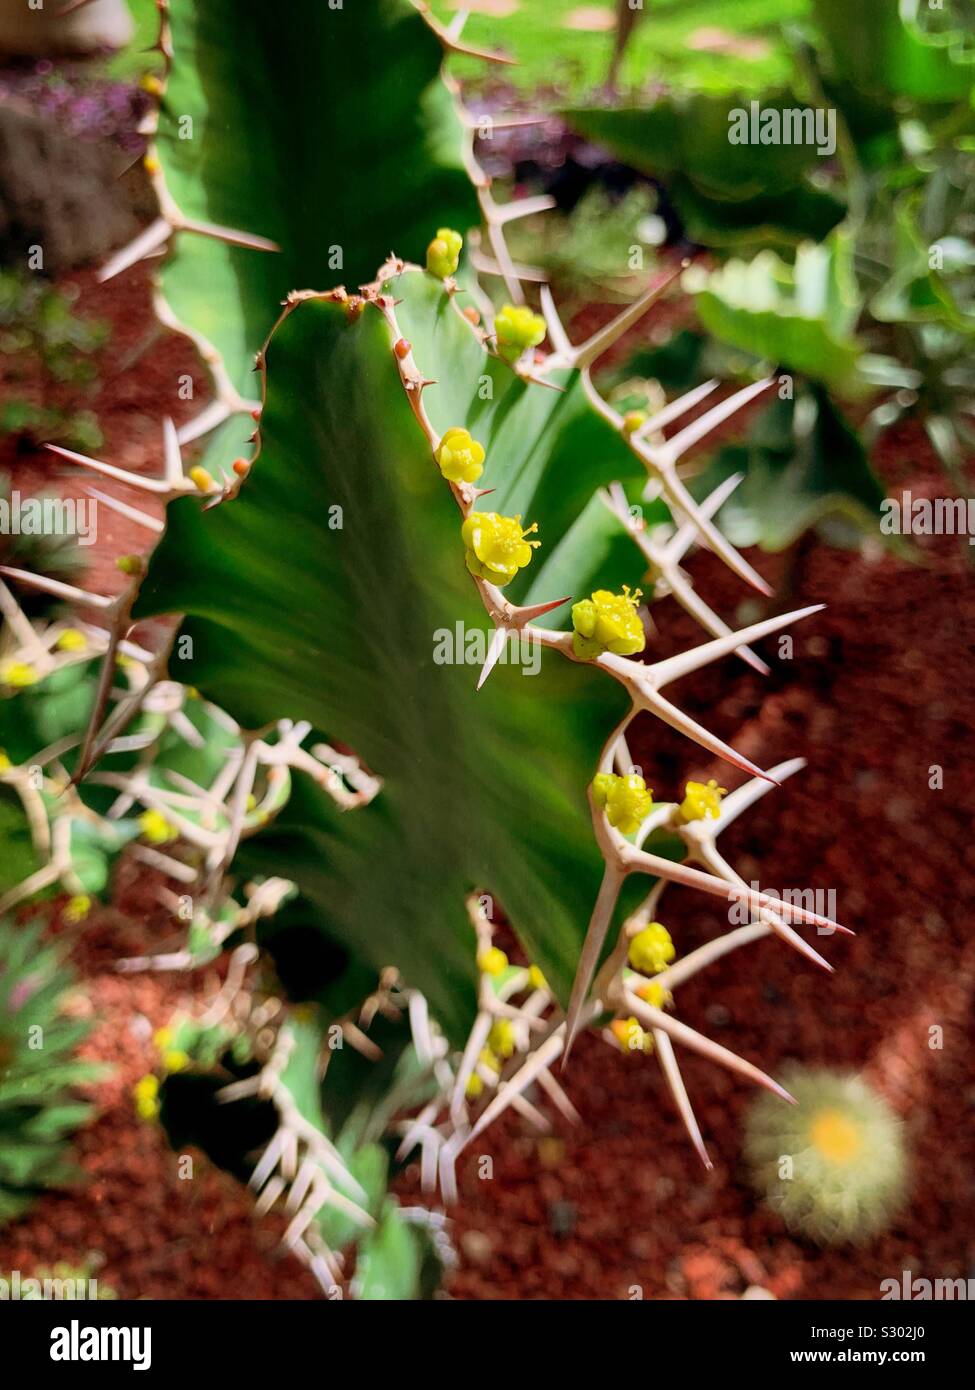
(517, 329)
(18, 674)
(461, 458)
(175, 1059)
(151, 84)
(146, 1095)
(626, 800)
(71, 640)
(443, 253)
(501, 1039)
(129, 564)
(653, 993)
(496, 548)
(702, 802)
(474, 1086)
(486, 1058)
(203, 480)
(5, 763)
(77, 908)
(652, 949)
(536, 979)
(630, 1035)
(163, 1038)
(156, 828)
(492, 961)
(632, 421)
(607, 622)
(151, 164)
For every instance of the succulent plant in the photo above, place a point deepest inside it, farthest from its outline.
(38, 1072)
(834, 1167)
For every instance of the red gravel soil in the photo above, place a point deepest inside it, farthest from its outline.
(880, 689)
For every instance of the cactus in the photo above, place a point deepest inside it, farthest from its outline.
(315, 581)
(38, 1112)
(835, 1169)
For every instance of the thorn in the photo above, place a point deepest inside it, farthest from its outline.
(55, 587)
(684, 724)
(587, 353)
(535, 610)
(671, 1071)
(676, 408)
(150, 523)
(141, 246)
(228, 234)
(121, 475)
(498, 639)
(672, 668)
(599, 923)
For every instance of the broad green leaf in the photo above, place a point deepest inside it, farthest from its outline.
(874, 46)
(388, 1267)
(291, 617)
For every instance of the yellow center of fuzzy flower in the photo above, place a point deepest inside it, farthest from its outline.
(835, 1137)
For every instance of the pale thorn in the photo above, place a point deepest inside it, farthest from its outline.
(121, 475)
(208, 419)
(476, 1040)
(522, 207)
(173, 868)
(495, 647)
(593, 348)
(558, 1097)
(556, 330)
(269, 1196)
(172, 458)
(422, 1121)
(669, 413)
(149, 240)
(745, 796)
(675, 491)
(689, 599)
(232, 236)
(447, 1166)
(671, 714)
(54, 586)
(599, 924)
(671, 1071)
(720, 866)
(697, 1042)
(601, 407)
(640, 860)
(687, 533)
(453, 43)
(114, 504)
(419, 1015)
(672, 668)
(42, 878)
(268, 1160)
(690, 965)
(536, 1062)
(528, 613)
(457, 25)
(500, 248)
(487, 265)
(691, 434)
(431, 1142)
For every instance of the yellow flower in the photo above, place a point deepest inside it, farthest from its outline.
(492, 961)
(630, 1035)
(474, 1086)
(461, 458)
(701, 802)
(203, 480)
(156, 828)
(626, 800)
(496, 548)
(517, 329)
(77, 908)
(607, 622)
(175, 1059)
(536, 979)
(146, 1095)
(163, 1037)
(653, 993)
(18, 674)
(487, 1058)
(5, 762)
(632, 421)
(71, 640)
(652, 949)
(501, 1039)
(443, 253)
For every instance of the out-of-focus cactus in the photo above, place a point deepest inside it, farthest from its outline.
(38, 1108)
(835, 1166)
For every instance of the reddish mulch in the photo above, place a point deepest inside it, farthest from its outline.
(881, 688)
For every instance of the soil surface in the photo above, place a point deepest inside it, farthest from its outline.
(879, 690)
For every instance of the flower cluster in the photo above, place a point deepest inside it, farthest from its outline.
(607, 622)
(701, 802)
(517, 329)
(626, 800)
(443, 253)
(460, 458)
(496, 548)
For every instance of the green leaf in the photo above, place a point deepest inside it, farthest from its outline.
(874, 47)
(388, 1267)
(481, 790)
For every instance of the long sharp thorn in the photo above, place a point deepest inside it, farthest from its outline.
(54, 586)
(143, 245)
(558, 1097)
(553, 323)
(720, 888)
(690, 600)
(675, 409)
(717, 864)
(121, 475)
(711, 419)
(599, 924)
(536, 1062)
(523, 207)
(604, 338)
(230, 235)
(172, 458)
(697, 1042)
(745, 796)
(536, 610)
(496, 646)
(676, 492)
(671, 1071)
(684, 724)
(674, 667)
(114, 504)
(687, 534)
